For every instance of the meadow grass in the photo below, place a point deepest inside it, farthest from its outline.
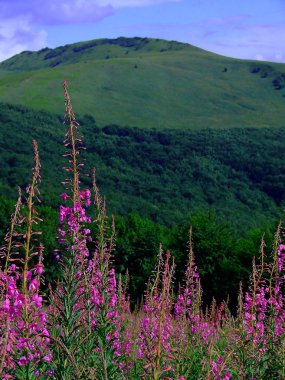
(151, 86)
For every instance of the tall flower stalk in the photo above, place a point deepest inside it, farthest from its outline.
(83, 306)
(24, 351)
(192, 331)
(156, 328)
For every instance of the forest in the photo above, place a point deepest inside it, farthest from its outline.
(162, 174)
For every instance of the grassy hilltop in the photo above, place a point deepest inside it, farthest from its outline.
(148, 83)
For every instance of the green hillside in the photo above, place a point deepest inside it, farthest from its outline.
(149, 84)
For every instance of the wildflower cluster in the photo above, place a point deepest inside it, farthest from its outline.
(24, 337)
(85, 328)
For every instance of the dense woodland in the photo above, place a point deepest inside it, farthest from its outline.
(228, 184)
(165, 175)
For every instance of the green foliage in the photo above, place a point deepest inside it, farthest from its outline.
(223, 256)
(162, 175)
(137, 245)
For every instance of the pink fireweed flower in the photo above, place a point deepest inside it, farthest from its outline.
(280, 257)
(64, 196)
(26, 346)
(23, 361)
(63, 212)
(34, 285)
(13, 267)
(85, 195)
(37, 300)
(47, 358)
(61, 232)
(219, 369)
(6, 304)
(39, 269)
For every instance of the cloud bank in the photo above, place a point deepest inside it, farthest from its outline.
(53, 12)
(238, 37)
(17, 34)
(23, 23)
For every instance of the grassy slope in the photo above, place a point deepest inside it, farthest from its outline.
(148, 83)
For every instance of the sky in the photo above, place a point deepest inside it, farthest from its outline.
(248, 29)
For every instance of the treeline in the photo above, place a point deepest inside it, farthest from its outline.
(223, 256)
(163, 175)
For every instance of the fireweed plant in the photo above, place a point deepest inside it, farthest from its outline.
(85, 329)
(24, 337)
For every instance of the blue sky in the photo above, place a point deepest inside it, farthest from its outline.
(250, 29)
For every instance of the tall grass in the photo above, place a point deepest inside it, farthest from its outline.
(85, 328)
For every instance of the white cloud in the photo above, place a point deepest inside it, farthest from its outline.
(22, 23)
(262, 42)
(239, 37)
(55, 12)
(279, 57)
(17, 35)
(259, 57)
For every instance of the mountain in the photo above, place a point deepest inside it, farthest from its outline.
(171, 128)
(148, 83)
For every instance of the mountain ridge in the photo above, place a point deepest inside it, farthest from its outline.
(52, 57)
(148, 83)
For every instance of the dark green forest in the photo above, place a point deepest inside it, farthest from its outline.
(228, 184)
(164, 175)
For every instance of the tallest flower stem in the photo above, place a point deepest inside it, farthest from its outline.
(72, 140)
